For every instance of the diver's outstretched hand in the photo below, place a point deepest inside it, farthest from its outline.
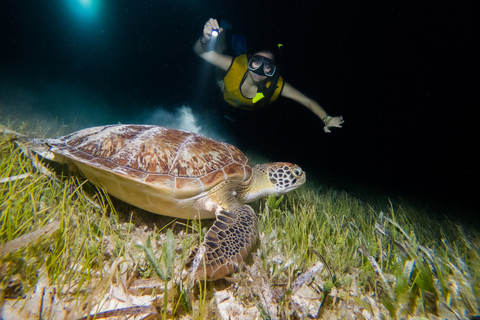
(209, 26)
(333, 122)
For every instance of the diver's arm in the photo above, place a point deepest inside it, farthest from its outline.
(200, 47)
(292, 93)
(217, 59)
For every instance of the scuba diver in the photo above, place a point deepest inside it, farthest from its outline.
(253, 82)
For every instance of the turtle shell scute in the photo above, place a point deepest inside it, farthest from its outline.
(185, 162)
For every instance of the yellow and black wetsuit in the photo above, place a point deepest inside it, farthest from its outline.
(234, 79)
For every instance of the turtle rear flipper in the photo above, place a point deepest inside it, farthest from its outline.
(226, 244)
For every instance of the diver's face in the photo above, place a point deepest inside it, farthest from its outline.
(256, 77)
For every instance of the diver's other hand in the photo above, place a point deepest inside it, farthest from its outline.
(209, 26)
(332, 122)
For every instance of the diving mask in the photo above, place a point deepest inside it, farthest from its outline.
(257, 61)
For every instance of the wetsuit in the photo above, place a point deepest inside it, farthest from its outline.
(234, 79)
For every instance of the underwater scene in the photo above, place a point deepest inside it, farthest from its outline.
(250, 160)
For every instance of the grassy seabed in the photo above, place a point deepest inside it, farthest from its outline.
(70, 251)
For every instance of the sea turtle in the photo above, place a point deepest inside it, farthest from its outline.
(179, 174)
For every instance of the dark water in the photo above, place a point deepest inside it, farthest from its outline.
(404, 77)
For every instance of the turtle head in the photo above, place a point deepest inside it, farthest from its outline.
(284, 176)
(279, 177)
(272, 178)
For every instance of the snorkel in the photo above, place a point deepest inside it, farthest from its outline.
(265, 67)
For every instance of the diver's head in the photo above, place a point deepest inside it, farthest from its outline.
(261, 65)
(265, 53)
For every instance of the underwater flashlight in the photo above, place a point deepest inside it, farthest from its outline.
(214, 32)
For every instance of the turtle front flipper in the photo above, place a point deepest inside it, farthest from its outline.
(226, 244)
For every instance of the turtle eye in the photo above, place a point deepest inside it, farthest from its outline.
(298, 172)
